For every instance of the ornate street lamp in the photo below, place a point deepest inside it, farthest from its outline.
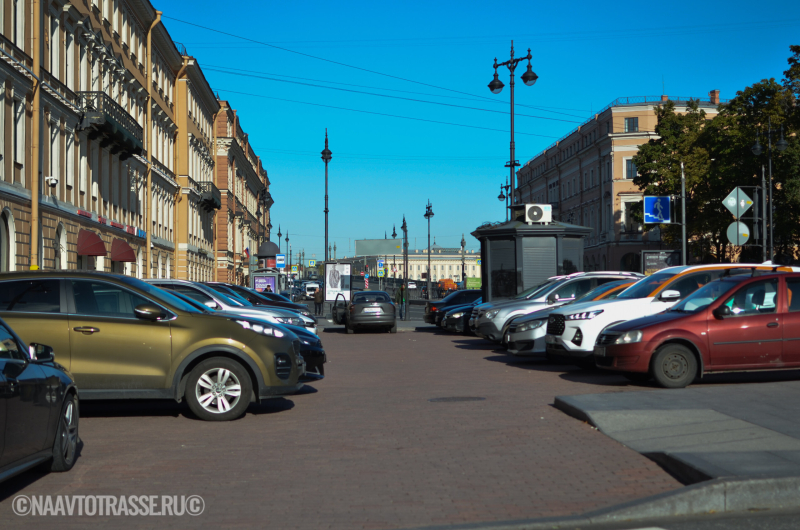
(326, 157)
(463, 266)
(781, 146)
(404, 228)
(428, 215)
(496, 86)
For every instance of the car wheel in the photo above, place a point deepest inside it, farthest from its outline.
(347, 328)
(674, 366)
(65, 447)
(218, 389)
(637, 377)
(393, 329)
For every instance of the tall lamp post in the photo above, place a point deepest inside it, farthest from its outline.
(781, 146)
(326, 157)
(279, 238)
(428, 215)
(504, 197)
(463, 265)
(404, 228)
(496, 86)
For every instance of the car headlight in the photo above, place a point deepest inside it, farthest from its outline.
(458, 314)
(586, 315)
(260, 328)
(289, 320)
(527, 326)
(493, 313)
(629, 337)
(306, 314)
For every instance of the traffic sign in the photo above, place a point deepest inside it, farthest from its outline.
(366, 276)
(381, 273)
(294, 268)
(362, 273)
(479, 261)
(394, 269)
(738, 233)
(380, 263)
(280, 261)
(312, 263)
(657, 210)
(366, 283)
(738, 202)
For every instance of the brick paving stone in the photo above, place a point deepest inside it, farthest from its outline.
(364, 448)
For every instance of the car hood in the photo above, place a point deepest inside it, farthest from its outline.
(621, 308)
(652, 320)
(460, 307)
(538, 314)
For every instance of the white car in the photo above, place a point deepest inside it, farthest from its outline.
(572, 331)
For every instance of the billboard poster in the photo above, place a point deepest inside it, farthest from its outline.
(655, 260)
(262, 283)
(337, 281)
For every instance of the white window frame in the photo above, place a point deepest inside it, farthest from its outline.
(627, 162)
(624, 202)
(19, 134)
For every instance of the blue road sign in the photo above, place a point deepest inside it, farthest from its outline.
(280, 261)
(657, 210)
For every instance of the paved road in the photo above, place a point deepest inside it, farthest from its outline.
(365, 448)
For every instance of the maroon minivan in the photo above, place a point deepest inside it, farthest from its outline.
(734, 323)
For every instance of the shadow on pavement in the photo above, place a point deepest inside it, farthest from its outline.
(16, 484)
(163, 407)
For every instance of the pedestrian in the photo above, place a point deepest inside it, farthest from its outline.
(400, 299)
(269, 288)
(318, 300)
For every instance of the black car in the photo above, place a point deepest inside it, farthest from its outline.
(312, 352)
(457, 318)
(434, 311)
(257, 298)
(40, 402)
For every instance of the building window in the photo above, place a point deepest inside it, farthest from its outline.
(19, 136)
(630, 169)
(629, 225)
(608, 127)
(55, 152)
(631, 125)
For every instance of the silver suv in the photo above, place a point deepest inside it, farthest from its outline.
(492, 318)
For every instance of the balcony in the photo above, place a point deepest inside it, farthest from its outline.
(110, 121)
(210, 198)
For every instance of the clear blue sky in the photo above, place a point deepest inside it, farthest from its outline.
(585, 53)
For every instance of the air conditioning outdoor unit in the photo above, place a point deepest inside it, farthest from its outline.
(538, 213)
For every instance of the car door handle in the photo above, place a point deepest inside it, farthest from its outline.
(772, 325)
(86, 330)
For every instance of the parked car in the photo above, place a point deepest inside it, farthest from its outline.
(525, 334)
(40, 407)
(456, 317)
(492, 318)
(221, 299)
(366, 309)
(309, 289)
(122, 338)
(260, 299)
(412, 285)
(573, 331)
(434, 311)
(734, 323)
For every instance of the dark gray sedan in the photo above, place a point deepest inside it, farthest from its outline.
(367, 309)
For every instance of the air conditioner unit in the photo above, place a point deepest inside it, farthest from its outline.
(538, 213)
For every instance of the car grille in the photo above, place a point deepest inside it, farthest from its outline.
(555, 325)
(607, 338)
(474, 313)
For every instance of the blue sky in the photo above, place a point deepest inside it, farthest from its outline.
(585, 53)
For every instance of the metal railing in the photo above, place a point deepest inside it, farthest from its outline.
(164, 169)
(211, 194)
(102, 102)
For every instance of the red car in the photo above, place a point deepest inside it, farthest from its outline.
(731, 324)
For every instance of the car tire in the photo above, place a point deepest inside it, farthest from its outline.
(218, 389)
(65, 446)
(673, 366)
(637, 377)
(393, 329)
(348, 329)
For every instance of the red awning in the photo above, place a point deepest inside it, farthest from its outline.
(90, 244)
(122, 251)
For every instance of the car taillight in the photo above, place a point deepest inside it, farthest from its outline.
(352, 308)
(433, 308)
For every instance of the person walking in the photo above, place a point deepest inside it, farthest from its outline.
(319, 298)
(400, 299)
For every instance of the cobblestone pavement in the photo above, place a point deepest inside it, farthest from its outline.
(365, 448)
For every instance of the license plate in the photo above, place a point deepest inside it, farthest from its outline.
(550, 339)
(372, 309)
(600, 351)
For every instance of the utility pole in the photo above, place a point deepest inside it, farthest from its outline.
(683, 216)
(404, 228)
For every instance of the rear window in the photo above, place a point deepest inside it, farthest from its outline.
(33, 296)
(371, 298)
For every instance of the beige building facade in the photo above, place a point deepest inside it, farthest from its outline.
(587, 177)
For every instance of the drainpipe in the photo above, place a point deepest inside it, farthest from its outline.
(148, 130)
(214, 181)
(35, 132)
(178, 196)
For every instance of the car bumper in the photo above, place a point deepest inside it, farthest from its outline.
(624, 357)
(429, 318)
(372, 320)
(529, 342)
(488, 330)
(270, 392)
(556, 345)
(453, 324)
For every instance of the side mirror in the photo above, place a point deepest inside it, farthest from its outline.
(722, 312)
(211, 304)
(670, 296)
(552, 299)
(148, 312)
(41, 353)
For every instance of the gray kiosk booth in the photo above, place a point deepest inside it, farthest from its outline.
(517, 255)
(267, 275)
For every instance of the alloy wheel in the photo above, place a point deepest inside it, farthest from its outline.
(218, 390)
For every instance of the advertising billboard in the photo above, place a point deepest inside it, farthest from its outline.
(378, 247)
(337, 280)
(264, 283)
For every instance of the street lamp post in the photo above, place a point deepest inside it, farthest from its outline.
(781, 146)
(279, 238)
(326, 157)
(505, 197)
(463, 265)
(334, 250)
(404, 228)
(496, 86)
(428, 215)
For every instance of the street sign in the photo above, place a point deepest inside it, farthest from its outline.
(479, 261)
(380, 263)
(294, 268)
(362, 273)
(381, 273)
(366, 276)
(366, 283)
(394, 269)
(738, 233)
(312, 263)
(657, 210)
(738, 203)
(280, 261)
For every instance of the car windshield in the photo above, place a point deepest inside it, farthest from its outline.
(597, 292)
(274, 296)
(537, 290)
(371, 298)
(165, 297)
(703, 297)
(193, 303)
(645, 286)
(229, 297)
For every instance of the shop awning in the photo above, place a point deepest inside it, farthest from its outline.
(122, 251)
(90, 244)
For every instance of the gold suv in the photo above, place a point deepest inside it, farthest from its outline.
(124, 339)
